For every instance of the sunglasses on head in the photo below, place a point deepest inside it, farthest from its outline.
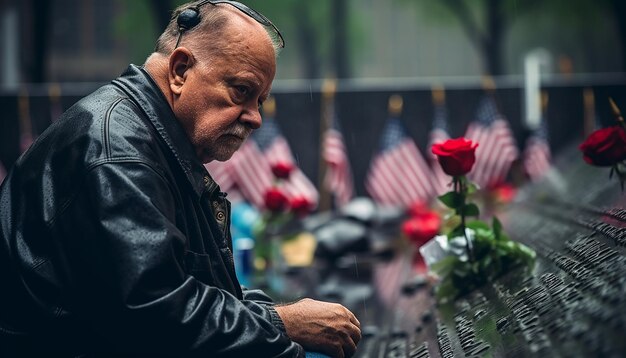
(190, 17)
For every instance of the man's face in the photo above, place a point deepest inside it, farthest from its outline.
(219, 102)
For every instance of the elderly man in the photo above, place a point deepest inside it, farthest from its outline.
(115, 240)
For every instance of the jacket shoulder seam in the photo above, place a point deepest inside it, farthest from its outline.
(106, 124)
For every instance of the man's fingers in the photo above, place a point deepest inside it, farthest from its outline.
(349, 348)
(355, 334)
(353, 319)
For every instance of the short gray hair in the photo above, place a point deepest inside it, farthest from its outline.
(209, 30)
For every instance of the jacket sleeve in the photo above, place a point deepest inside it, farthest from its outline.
(256, 295)
(130, 284)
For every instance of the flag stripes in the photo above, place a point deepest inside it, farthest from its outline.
(438, 134)
(398, 175)
(497, 148)
(338, 179)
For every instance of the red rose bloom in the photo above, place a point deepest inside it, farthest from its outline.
(456, 156)
(417, 208)
(605, 147)
(301, 206)
(276, 200)
(421, 228)
(282, 170)
(504, 193)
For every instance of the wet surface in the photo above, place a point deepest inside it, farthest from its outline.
(572, 303)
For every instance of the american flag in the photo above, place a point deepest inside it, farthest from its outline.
(497, 148)
(438, 134)
(398, 175)
(276, 149)
(537, 153)
(222, 173)
(338, 179)
(250, 173)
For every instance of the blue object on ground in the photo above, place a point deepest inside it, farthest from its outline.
(316, 355)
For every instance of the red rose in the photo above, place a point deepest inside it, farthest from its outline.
(605, 147)
(282, 170)
(421, 228)
(275, 200)
(417, 208)
(301, 206)
(504, 193)
(456, 156)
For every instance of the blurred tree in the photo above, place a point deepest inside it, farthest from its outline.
(486, 22)
(304, 19)
(326, 32)
(340, 39)
(136, 27)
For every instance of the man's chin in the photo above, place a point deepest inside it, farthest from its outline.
(222, 156)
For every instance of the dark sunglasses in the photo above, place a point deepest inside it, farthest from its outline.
(190, 17)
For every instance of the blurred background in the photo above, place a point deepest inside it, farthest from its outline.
(358, 82)
(56, 51)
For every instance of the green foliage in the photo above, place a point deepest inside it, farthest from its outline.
(137, 28)
(494, 255)
(471, 209)
(490, 252)
(293, 17)
(472, 187)
(452, 199)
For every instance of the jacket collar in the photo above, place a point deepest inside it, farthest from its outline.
(144, 91)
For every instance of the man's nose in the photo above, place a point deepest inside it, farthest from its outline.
(252, 118)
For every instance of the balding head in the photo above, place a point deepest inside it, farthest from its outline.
(210, 35)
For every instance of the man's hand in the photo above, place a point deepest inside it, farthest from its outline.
(324, 327)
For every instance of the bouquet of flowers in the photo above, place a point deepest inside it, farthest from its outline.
(278, 217)
(469, 253)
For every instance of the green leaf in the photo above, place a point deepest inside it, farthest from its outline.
(457, 231)
(497, 228)
(471, 209)
(446, 290)
(452, 199)
(477, 224)
(445, 266)
(472, 187)
(528, 252)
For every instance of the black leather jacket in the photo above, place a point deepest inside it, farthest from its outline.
(115, 240)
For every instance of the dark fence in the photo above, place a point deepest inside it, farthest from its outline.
(362, 111)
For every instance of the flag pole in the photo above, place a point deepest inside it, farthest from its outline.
(488, 84)
(489, 87)
(395, 105)
(54, 96)
(329, 87)
(25, 123)
(590, 112)
(269, 107)
(438, 95)
(616, 112)
(545, 98)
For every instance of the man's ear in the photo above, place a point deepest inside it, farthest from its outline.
(180, 61)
